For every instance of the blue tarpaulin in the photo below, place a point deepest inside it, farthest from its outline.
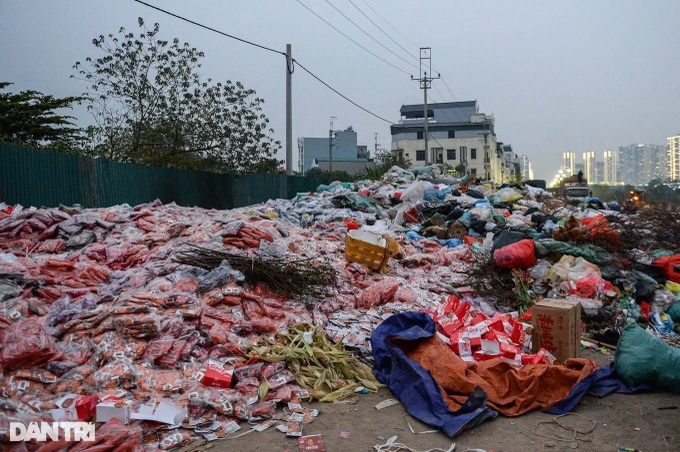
(422, 396)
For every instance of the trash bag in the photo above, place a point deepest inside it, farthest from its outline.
(670, 265)
(674, 312)
(218, 277)
(516, 255)
(26, 344)
(644, 359)
(416, 191)
(508, 195)
(505, 238)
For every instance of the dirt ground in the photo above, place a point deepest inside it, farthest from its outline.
(644, 421)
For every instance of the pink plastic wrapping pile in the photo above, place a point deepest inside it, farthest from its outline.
(92, 304)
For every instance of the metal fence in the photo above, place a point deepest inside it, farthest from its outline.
(38, 178)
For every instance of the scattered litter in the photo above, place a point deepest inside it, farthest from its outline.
(418, 433)
(386, 403)
(392, 446)
(344, 434)
(558, 421)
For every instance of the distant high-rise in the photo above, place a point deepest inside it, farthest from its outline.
(569, 162)
(609, 168)
(673, 155)
(525, 169)
(639, 164)
(590, 169)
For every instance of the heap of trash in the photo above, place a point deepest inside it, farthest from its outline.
(166, 324)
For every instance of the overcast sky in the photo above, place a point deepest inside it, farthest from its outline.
(557, 76)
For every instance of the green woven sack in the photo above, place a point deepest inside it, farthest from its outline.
(644, 359)
(674, 311)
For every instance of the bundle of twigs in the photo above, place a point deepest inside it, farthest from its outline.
(304, 277)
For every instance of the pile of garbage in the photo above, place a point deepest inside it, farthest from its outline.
(169, 324)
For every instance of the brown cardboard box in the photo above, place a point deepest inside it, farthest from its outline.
(557, 327)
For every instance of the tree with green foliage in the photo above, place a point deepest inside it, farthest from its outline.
(384, 160)
(29, 118)
(152, 107)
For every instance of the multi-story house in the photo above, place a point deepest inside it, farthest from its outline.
(673, 158)
(457, 135)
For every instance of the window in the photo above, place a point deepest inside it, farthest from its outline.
(463, 154)
(420, 156)
(419, 136)
(473, 154)
(473, 171)
(452, 134)
(450, 154)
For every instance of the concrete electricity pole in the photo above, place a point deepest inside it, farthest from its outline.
(330, 146)
(425, 83)
(289, 110)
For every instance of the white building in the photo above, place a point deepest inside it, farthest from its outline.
(457, 135)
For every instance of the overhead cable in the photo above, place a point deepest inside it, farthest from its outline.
(342, 95)
(208, 28)
(383, 31)
(334, 28)
(367, 34)
(393, 27)
(291, 68)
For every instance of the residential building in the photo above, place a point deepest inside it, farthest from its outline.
(640, 163)
(673, 156)
(589, 166)
(599, 172)
(526, 172)
(510, 163)
(568, 163)
(346, 154)
(610, 176)
(457, 135)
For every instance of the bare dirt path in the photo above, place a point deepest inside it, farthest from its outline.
(644, 421)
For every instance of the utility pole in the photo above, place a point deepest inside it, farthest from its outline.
(289, 110)
(425, 83)
(330, 146)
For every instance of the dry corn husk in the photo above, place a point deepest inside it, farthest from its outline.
(328, 371)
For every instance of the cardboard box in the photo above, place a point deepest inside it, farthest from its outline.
(557, 328)
(218, 374)
(113, 407)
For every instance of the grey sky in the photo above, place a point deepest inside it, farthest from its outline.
(557, 76)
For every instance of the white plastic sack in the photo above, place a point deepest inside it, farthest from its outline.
(416, 190)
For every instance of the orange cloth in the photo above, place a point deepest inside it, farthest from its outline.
(510, 391)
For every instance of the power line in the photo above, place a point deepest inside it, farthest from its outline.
(367, 34)
(342, 95)
(208, 28)
(447, 87)
(334, 28)
(393, 27)
(272, 50)
(383, 31)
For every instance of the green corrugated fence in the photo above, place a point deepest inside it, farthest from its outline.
(41, 178)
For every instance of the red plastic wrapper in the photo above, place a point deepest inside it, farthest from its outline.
(263, 409)
(271, 369)
(115, 374)
(114, 435)
(161, 381)
(251, 370)
(26, 344)
(287, 393)
(378, 293)
(247, 384)
(74, 381)
(174, 438)
(280, 379)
